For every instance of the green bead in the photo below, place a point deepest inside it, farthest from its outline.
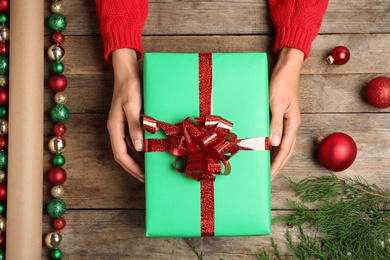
(56, 254)
(57, 22)
(3, 160)
(58, 67)
(56, 208)
(3, 112)
(3, 18)
(2, 254)
(3, 64)
(1, 209)
(59, 113)
(58, 160)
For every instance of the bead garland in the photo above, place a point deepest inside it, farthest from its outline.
(4, 37)
(56, 176)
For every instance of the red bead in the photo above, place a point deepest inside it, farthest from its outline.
(337, 152)
(59, 129)
(3, 96)
(3, 48)
(56, 176)
(3, 143)
(59, 223)
(58, 82)
(4, 6)
(2, 241)
(3, 192)
(58, 37)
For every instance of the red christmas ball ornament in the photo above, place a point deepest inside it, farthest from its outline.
(3, 96)
(3, 192)
(58, 82)
(56, 176)
(59, 223)
(59, 129)
(58, 37)
(378, 92)
(339, 56)
(337, 151)
(4, 6)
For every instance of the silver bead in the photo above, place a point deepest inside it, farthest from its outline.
(3, 176)
(57, 145)
(56, 52)
(4, 33)
(3, 127)
(60, 98)
(57, 191)
(53, 240)
(2, 224)
(56, 7)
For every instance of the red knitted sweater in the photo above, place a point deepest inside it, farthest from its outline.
(297, 23)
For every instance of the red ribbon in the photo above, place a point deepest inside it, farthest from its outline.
(203, 146)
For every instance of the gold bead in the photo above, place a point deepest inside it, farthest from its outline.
(60, 98)
(3, 80)
(53, 240)
(56, 7)
(2, 224)
(3, 176)
(57, 191)
(56, 52)
(57, 145)
(3, 127)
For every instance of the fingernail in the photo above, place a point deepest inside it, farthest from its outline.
(138, 145)
(275, 140)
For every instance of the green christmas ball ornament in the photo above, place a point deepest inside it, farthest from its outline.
(56, 208)
(3, 160)
(3, 64)
(3, 18)
(56, 254)
(3, 112)
(58, 67)
(59, 113)
(58, 160)
(57, 22)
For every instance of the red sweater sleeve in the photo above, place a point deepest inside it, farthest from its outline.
(121, 24)
(297, 22)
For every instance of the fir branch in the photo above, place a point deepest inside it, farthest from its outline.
(196, 252)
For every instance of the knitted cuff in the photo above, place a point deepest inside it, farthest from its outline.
(294, 37)
(119, 38)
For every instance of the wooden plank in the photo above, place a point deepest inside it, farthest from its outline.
(84, 54)
(120, 234)
(230, 18)
(95, 181)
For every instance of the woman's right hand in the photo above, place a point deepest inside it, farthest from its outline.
(125, 110)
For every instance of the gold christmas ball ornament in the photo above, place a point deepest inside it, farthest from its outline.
(3, 176)
(57, 145)
(60, 98)
(3, 223)
(56, 7)
(3, 80)
(53, 240)
(56, 52)
(4, 33)
(57, 191)
(3, 127)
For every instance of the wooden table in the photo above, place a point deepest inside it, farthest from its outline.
(105, 217)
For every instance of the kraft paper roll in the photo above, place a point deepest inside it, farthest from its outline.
(25, 145)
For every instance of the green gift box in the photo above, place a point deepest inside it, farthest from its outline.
(242, 199)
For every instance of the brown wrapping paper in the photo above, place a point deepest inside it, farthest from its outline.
(25, 146)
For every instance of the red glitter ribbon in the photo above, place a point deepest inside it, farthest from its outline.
(203, 146)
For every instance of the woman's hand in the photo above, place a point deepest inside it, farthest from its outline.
(125, 110)
(284, 104)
